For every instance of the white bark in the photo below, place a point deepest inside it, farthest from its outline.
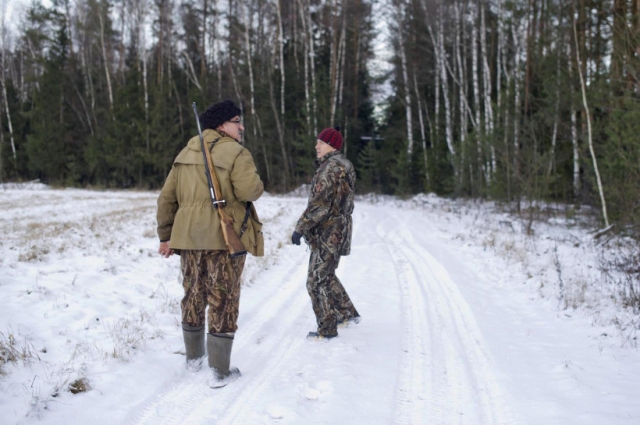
(474, 75)
(105, 60)
(554, 135)
(306, 66)
(445, 91)
(422, 132)
(405, 81)
(337, 98)
(281, 51)
(146, 97)
(3, 34)
(499, 62)
(333, 55)
(218, 56)
(488, 108)
(574, 132)
(247, 49)
(462, 92)
(343, 50)
(312, 59)
(589, 135)
(441, 71)
(475, 71)
(516, 84)
(191, 72)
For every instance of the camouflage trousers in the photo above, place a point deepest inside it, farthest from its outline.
(330, 301)
(211, 278)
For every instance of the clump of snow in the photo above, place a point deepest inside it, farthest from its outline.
(31, 185)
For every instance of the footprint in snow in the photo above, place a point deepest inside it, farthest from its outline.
(276, 412)
(321, 390)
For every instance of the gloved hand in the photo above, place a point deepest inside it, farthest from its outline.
(295, 238)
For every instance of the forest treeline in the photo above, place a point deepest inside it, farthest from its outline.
(519, 100)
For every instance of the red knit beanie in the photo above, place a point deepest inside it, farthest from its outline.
(332, 137)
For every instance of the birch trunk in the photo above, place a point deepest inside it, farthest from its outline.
(203, 48)
(247, 48)
(8, 113)
(333, 55)
(445, 92)
(146, 98)
(422, 132)
(312, 59)
(405, 82)
(218, 56)
(554, 135)
(475, 71)
(281, 51)
(574, 132)
(337, 99)
(589, 135)
(280, 134)
(343, 48)
(441, 81)
(4, 91)
(507, 116)
(306, 66)
(499, 64)
(105, 61)
(516, 102)
(462, 92)
(488, 108)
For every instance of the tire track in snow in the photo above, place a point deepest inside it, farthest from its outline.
(191, 401)
(445, 377)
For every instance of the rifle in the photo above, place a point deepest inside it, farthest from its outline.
(231, 239)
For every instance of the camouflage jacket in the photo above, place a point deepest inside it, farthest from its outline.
(326, 223)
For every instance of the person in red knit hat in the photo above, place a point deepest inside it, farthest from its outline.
(326, 226)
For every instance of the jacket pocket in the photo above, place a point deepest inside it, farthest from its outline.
(253, 239)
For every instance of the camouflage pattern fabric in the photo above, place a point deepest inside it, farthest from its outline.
(330, 301)
(326, 223)
(211, 278)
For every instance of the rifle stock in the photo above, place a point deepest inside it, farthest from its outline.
(231, 239)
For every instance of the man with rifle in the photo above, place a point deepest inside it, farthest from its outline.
(205, 213)
(326, 225)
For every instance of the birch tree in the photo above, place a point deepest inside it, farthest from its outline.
(405, 78)
(589, 135)
(3, 36)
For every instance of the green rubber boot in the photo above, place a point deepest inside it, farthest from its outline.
(194, 346)
(219, 348)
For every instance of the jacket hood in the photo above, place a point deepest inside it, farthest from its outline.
(208, 135)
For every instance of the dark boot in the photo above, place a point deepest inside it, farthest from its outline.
(219, 349)
(194, 346)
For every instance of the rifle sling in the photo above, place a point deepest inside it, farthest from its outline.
(244, 226)
(247, 213)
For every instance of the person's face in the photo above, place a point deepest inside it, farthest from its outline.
(323, 148)
(233, 127)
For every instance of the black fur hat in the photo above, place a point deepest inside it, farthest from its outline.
(219, 113)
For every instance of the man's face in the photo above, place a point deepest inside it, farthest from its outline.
(323, 148)
(233, 128)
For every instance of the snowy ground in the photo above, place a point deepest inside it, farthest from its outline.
(468, 318)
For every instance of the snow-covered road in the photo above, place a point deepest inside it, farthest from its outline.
(445, 337)
(417, 356)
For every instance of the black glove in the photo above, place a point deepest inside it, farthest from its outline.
(295, 238)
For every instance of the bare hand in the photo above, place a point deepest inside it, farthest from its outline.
(164, 249)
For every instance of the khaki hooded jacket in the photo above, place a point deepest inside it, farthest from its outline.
(185, 215)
